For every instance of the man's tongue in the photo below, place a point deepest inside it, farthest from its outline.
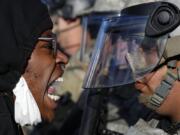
(51, 90)
(54, 86)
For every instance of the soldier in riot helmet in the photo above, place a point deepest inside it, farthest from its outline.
(150, 60)
(68, 26)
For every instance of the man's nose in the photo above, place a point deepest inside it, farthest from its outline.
(61, 57)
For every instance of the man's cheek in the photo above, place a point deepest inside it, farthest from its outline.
(45, 78)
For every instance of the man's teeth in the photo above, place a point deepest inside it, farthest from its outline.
(60, 79)
(55, 86)
(54, 97)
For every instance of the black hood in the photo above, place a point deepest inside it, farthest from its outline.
(21, 23)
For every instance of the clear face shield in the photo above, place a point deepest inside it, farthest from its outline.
(123, 53)
(91, 25)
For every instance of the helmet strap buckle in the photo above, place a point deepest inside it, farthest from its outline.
(164, 88)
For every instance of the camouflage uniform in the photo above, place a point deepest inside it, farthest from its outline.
(119, 125)
(153, 126)
(147, 128)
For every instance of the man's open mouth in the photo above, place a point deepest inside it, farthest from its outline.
(53, 88)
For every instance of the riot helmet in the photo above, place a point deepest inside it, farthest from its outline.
(68, 8)
(90, 19)
(131, 45)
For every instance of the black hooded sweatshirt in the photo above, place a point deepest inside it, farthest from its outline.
(21, 23)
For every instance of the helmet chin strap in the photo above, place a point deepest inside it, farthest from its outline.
(161, 92)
